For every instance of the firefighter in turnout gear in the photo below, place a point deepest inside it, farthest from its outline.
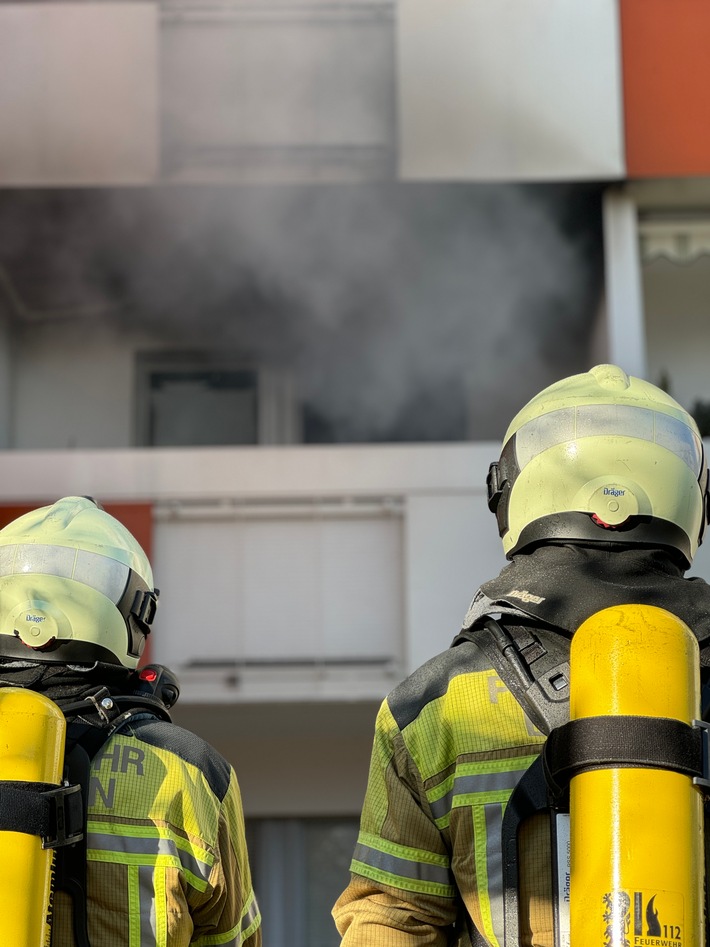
(155, 856)
(601, 499)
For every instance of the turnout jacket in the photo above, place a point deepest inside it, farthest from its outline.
(451, 743)
(167, 858)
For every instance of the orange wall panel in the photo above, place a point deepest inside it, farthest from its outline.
(666, 78)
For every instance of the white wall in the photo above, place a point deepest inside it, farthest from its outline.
(78, 93)
(278, 91)
(452, 547)
(523, 90)
(677, 310)
(72, 382)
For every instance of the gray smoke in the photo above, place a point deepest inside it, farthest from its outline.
(406, 312)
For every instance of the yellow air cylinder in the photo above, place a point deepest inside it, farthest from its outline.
(636, 834)
(32, 736)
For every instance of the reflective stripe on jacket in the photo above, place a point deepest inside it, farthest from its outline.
(451, 743)
(167, 860)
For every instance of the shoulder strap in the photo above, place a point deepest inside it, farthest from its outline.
(83, 743)
(532, 662)
(71, 861)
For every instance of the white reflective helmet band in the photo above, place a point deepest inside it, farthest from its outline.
(102, 573)
(609, 420)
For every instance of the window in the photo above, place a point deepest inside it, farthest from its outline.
(202, 407)
(192, 400)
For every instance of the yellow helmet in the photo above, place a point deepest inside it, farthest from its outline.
(601, 457)
(75, 587)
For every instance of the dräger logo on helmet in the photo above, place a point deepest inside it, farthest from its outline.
(614, 492)
(37, 618)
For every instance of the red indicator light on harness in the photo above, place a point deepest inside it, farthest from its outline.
(148, 674)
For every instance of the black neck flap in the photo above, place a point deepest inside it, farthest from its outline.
(562, 586)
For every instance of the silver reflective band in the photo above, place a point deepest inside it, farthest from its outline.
(148, 848)
(472, 784)
(250, 916)
(401, 867)
(609, 420)
(105, 575)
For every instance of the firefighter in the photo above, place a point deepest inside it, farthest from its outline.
(601, 499)
(164, 860)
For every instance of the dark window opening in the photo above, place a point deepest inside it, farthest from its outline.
(191, 406)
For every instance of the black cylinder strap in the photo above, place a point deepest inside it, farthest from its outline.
(608, 742)
(55, 813)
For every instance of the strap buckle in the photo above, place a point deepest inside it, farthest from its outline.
(703, 781)
(145, 605)
(63, 812)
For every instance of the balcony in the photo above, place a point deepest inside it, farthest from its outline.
(293, 573)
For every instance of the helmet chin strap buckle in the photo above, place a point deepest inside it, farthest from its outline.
(493, 487)
(145, 605)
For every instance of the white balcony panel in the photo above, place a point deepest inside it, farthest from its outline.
(231, 479)
(277, 92)
(200, 597)
(513, 90)
(279, 591)
(78, 93)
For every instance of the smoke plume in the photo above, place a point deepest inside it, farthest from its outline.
(404, 311)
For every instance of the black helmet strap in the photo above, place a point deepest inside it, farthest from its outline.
(138, 606)
(502, 474)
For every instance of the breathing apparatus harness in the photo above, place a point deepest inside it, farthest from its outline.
(59, 814)
(533, 661)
